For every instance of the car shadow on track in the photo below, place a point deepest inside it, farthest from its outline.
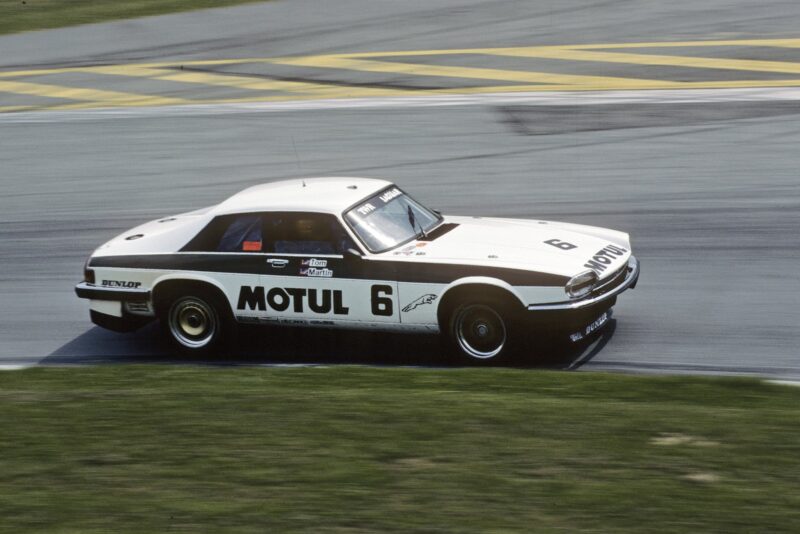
(298, 346)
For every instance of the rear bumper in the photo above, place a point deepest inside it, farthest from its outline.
(596, 300)
(125, 323)
(86, 290)
(108, 306)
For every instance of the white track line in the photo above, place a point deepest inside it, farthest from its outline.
(793, 383)
(15, 367)
(565, 98)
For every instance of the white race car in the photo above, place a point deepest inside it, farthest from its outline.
(357, 253)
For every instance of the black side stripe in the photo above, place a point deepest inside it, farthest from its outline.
(359, 269)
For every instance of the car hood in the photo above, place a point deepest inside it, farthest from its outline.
(543, 246)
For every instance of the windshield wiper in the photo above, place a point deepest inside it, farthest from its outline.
(412, 220)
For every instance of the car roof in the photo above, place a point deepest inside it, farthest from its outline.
(323, 194)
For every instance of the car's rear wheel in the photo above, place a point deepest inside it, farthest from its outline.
(197, 322)
(481, 333)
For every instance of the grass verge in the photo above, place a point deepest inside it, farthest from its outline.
(25, 15)
(351, 449)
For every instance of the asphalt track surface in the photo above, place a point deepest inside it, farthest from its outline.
(709, 188)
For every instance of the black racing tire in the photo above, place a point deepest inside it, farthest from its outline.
(482, 332)
(198, 322)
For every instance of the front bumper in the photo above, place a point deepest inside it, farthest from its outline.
(592, 327)
(596, 298)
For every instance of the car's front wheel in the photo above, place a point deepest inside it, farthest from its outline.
(197, 323)
(482, 332)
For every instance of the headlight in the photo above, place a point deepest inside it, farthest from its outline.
(582, 284)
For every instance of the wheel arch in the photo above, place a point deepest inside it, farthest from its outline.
(463, 288)
(171, 283)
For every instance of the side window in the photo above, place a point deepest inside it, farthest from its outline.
(277, 232)
(243, 234)
(306, 233)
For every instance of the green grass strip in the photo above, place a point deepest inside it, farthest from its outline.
(26, 15)
(352, 449)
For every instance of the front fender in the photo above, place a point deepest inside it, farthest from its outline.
(484, 281)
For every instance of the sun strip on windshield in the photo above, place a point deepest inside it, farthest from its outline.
(355, 217)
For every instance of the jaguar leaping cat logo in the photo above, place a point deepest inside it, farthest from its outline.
(421, 301)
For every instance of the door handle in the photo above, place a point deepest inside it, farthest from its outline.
(277, 263)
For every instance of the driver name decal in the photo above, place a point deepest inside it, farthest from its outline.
(317, 273)
(315, 268)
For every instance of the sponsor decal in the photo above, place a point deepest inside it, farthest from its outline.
(563, 245)
(600, 321)
(120, 283)
(390, 194)
(366, 209)
(313, 262)
(604, 257)
(421, 301)
(317, 273)
(251, 246)
(298, 299)
(410, 249)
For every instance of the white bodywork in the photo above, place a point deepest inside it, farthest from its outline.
(545, 247)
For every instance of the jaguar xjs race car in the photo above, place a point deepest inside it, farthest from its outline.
(357, 253)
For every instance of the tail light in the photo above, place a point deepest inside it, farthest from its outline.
(88, 274)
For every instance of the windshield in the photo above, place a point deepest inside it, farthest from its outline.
(389, 219)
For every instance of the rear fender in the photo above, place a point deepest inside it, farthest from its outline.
(166, 279)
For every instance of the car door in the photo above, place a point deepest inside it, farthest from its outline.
(311, 278)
